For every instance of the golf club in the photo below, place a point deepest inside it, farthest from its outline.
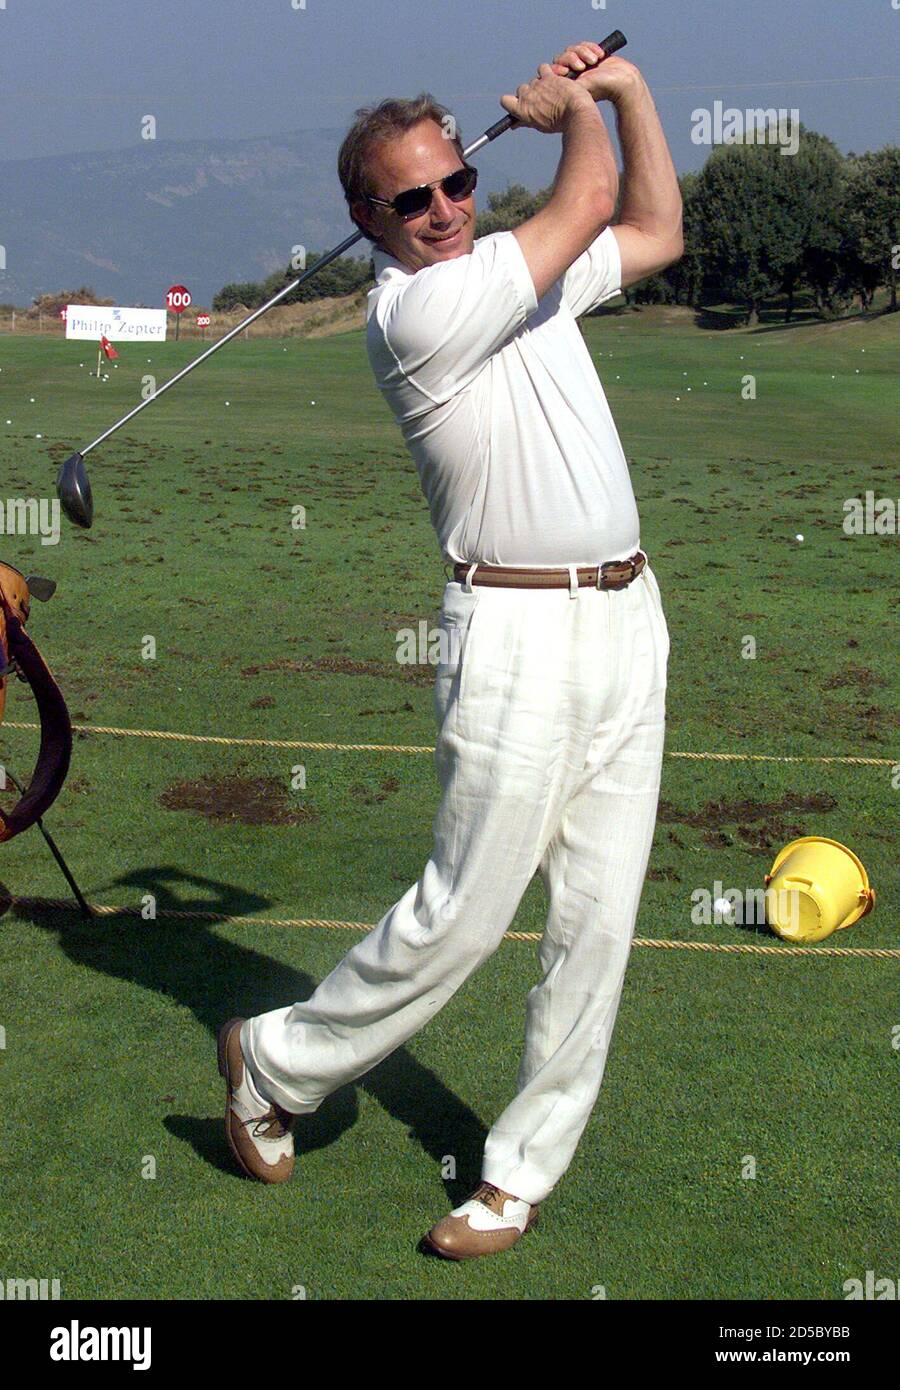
(73, 485)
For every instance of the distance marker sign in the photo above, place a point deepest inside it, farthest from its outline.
(178, 299)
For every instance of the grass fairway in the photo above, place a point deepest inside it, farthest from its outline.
(264, 631)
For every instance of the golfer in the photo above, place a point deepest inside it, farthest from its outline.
(550, 697)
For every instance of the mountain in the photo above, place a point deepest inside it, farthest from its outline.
(131, 222)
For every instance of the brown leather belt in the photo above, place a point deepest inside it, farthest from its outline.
(615, 574)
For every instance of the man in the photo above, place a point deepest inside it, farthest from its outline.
(550, 706)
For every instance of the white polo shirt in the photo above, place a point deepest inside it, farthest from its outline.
(501, 407)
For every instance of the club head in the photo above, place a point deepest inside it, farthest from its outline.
(42, 589)
(73, 487)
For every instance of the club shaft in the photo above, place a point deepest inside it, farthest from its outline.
(245, 323)
(610, 44)
(52, 846)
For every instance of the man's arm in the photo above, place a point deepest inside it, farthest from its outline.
(584, 191)
(649, 227)
(648, 232)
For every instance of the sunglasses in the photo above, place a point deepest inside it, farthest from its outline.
(412, 202)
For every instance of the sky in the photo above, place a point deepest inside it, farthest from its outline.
(79, 75)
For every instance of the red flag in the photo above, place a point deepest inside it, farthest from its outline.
(107, 347)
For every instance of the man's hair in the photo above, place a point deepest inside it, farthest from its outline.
(374, 125)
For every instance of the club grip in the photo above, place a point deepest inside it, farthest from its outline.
(611, 44)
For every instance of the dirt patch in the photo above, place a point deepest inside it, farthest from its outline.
(859, 676)
(369, 798)
(759, 825)
(248, 800)
(263, 702)
(663, 875)
(344, 666)
(405, 708)
(870, 722)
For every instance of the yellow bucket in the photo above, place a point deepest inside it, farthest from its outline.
(816, 886)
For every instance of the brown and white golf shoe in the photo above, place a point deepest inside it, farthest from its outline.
(258, 1133)
(487, 1222)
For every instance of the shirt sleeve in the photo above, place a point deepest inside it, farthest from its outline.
(443, 326)
(596, 275)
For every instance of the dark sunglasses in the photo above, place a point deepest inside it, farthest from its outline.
(412, 202)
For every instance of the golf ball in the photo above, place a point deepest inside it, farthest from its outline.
(9, 422)
(38, 436)
(31, 398)
(723, 907)
(799, 538)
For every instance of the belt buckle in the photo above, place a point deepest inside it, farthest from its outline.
(620, 583)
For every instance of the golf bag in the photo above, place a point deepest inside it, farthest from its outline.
(19, 656)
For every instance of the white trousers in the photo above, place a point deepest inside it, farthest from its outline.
(550, 712)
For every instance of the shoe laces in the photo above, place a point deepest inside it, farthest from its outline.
(489, 1196)
(275, 1124)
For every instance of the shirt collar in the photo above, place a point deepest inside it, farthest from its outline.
(383, 263)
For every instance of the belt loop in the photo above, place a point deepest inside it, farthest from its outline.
(573, 581)
(467, 582)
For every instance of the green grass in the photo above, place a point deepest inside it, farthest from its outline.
(109, 1053)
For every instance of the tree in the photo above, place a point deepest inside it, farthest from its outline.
(346, 275)
(229, 296)
(870, 250)
(812, 186)
(750, 221)
(509, 209)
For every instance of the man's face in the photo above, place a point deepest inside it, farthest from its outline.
(418, 156)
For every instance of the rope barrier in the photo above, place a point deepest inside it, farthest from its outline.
(231, 919)
(319, 747)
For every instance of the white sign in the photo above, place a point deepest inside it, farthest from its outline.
(119, 325)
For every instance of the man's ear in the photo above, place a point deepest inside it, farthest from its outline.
(363, 214)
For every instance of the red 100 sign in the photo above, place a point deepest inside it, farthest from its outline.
(178, 299)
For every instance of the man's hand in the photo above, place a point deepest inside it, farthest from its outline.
(546, 102)
(604, 81)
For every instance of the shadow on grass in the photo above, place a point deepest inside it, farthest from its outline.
(189, 962)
